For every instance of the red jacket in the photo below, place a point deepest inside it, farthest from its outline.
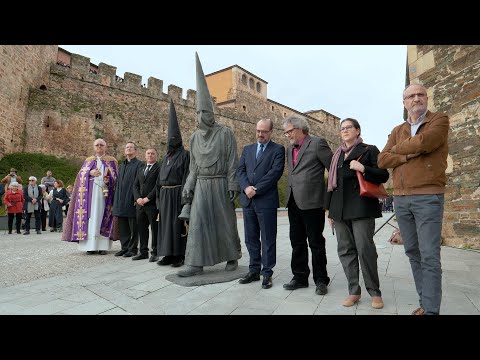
(14, 202)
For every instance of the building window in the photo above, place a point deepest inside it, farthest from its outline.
(244, 79)
(244, 108)
(251, 83)
(259, 87)
(284, 114)
(43, 87)
(98, 116)
(273, 108)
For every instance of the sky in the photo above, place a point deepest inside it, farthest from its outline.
(364, 82)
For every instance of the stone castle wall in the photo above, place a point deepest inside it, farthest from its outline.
(21, 67)
(79, 105)
(452, 77)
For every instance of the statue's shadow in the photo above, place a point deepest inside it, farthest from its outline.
(211, 275)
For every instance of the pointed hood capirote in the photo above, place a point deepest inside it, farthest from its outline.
(174, 136)
(204, 100)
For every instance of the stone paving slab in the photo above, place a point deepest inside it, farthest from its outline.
(40, 274)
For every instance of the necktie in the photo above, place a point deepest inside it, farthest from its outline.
(147, 169)
(260, 152)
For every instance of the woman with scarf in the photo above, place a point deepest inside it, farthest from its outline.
(353, 216)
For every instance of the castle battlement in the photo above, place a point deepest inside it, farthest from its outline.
(106, 75)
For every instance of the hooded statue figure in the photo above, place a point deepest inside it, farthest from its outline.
(211, 188)
(171, 179)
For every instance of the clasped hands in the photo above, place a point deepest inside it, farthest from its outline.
(250, 191)
(142, 201)
(97, 172)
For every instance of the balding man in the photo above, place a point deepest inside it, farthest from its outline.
(90, 220)
(417, 151)
(261, 166)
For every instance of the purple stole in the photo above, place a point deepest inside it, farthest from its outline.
(76, 225)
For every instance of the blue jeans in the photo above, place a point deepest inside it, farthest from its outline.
(420, 220)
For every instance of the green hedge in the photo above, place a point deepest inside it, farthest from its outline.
(28, 164)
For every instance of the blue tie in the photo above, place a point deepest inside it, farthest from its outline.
(260, 152)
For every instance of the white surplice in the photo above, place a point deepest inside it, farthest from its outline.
(95, 241)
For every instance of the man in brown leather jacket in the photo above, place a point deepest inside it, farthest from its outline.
(417, 151)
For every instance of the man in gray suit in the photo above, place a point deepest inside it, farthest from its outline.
(308, 157)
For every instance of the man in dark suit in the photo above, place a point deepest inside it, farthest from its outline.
(124, 204)
(144, 192)
(261, 166)
(308, 157)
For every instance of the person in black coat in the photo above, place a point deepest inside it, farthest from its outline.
(124, 203)
(58, 198)
(352, 215)
(145, 194)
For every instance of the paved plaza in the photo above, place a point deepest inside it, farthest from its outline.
(40, 274)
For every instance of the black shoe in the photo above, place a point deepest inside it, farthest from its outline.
(321, 289)
(129, 254)
(267, 282)
(167, 260)
(26, 233)
(91, 252)
(121, 252)
(39, 232)
(140, 257)
(44, 229)
(249, 278)
(295, 284)
(9, 232)
(153, 258)
(19, 232)
(178, 262)
(102, 252)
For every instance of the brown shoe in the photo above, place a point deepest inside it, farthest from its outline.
(419, 311)
(351, 300)
(377, 302)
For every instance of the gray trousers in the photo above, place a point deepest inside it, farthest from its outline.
(355, 242)
(420, 220)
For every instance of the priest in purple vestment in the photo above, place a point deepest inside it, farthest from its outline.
(89, 219)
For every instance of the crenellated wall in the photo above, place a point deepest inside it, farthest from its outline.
(62, 102)
(451, 75)
(83, 102)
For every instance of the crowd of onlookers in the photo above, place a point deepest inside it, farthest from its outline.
(47, 200)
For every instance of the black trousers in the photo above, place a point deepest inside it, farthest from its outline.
(147, 216)
(43, 215)
(307, 224)
(128, 233)
(38, 222)
(18, 221)
(55, 216)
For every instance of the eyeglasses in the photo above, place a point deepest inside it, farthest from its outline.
(31, 180)
(289, 132)
(411, 97)
(346, 128)
(263, 131)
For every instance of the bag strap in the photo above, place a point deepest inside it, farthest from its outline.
(362, 154)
